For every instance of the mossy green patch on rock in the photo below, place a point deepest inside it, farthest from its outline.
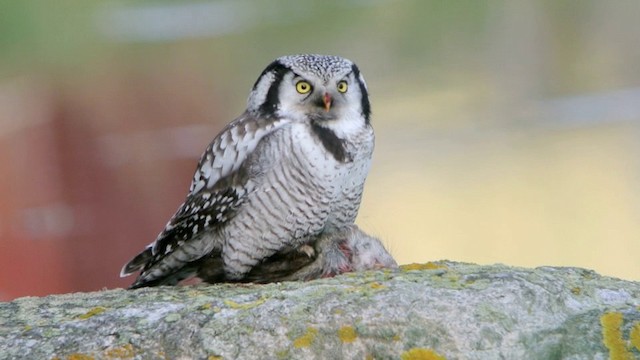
(244, 306)
(95, 311)
(173, 317)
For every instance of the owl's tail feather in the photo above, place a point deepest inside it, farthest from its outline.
(144, 262)
(137, 263)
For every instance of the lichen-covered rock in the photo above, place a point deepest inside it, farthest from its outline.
(439, 310)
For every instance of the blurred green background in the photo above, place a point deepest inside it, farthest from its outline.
(507, 131)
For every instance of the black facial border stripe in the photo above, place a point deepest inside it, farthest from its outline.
(364, 104)
(272, 100)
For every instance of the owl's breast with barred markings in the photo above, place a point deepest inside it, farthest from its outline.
(302, 189)
(342, 166)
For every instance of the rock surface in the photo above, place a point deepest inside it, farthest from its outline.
(431, 311)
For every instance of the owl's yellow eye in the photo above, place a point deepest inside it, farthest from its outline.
(342, 86)
(303, 87)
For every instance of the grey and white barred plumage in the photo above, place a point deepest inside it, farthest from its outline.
(290, 169)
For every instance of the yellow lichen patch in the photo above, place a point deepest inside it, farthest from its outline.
(421, 354)
(95, 311)
(206, 306)
(377, 286)
(307, 339)
(612, 336)
(250, 305)
(122, 352)
(427, 266)
(576, 290)
(78, 356)
(347, 334)
(634, 335)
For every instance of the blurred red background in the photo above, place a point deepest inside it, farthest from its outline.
(92, 169)
(505, 131)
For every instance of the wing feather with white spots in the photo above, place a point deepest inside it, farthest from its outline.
(217, 190)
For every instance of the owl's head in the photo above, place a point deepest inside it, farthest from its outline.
(311, 87)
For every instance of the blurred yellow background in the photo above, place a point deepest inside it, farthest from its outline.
(506, 131)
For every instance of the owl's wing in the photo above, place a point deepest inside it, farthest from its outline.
(218, 189)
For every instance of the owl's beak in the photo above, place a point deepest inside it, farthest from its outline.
(326, 99)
